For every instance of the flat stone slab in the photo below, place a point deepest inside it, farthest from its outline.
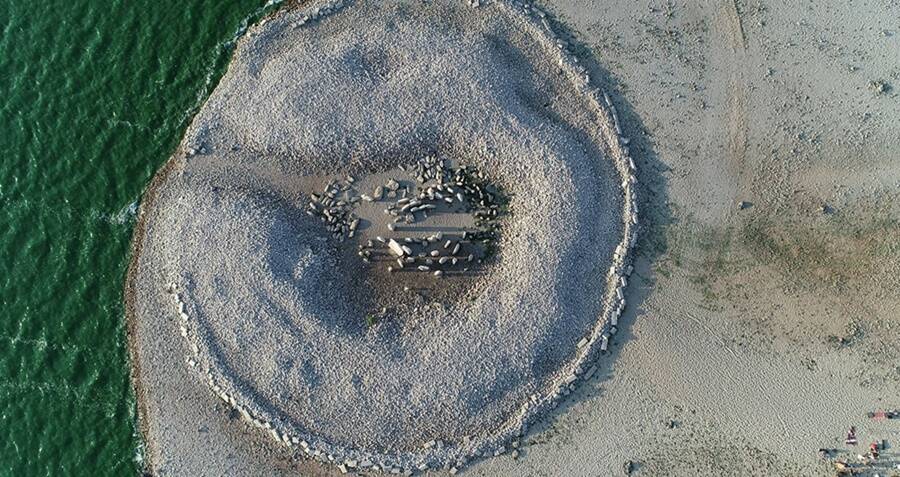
(267, 312)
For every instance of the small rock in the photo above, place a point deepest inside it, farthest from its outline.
(744, 205)
(880, 87)
(396, 248)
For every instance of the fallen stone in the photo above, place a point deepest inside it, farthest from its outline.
(396, 248)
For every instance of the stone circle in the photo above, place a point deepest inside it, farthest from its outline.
(272, 306)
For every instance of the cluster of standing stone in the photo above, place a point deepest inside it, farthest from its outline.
(430, 254)
(334, 207)
(438, 187)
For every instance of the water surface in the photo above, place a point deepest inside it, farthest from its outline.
(94, 96)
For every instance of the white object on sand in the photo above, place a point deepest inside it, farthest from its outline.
(396, 248)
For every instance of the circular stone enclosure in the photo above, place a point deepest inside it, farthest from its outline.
(272, 309)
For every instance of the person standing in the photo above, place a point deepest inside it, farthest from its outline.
(851, 437)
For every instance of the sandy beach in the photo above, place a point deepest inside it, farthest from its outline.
(762, 314)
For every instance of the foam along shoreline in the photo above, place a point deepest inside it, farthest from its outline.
(211, 159)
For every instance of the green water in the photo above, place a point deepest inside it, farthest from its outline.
(94, 96)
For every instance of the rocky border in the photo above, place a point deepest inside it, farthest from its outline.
(434, 454)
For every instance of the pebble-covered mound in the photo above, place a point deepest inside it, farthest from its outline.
(272, 308)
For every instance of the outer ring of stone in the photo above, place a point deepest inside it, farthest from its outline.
(616, 278)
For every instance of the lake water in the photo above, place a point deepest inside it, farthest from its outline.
(94, 96)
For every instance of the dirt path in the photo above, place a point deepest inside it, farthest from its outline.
(735, 61)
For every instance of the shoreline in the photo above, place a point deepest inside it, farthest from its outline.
(134, 365)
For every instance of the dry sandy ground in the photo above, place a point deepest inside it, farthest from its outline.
(763, 333)
(756, 335)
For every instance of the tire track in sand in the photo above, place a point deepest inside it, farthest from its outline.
(730, 21)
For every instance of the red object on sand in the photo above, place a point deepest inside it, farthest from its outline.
(873, 450)
(879, 415)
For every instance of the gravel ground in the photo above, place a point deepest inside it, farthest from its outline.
(273, 310)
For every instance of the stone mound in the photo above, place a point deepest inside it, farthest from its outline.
(272, 308)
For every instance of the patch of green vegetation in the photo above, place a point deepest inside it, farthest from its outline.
(838, 253)
(704, 252)
(371, 320)
(654, 242)
(717, 259)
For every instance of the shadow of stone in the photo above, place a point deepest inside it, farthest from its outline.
(282, 257)
(655, 216)
(422, 229)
